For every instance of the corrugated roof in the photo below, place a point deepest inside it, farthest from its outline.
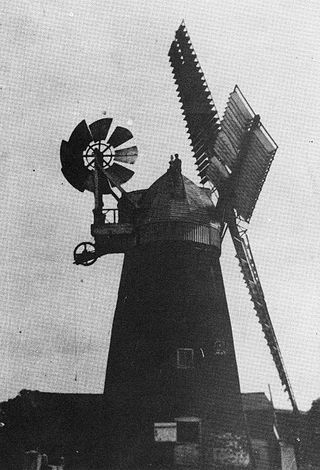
(255, 401)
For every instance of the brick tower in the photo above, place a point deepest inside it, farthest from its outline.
(172, 380)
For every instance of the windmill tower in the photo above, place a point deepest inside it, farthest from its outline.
(172, 380)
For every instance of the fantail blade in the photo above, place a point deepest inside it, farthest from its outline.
(80, 137)
(119, 136)
(119, 173)
(99, 129)
(128, 155)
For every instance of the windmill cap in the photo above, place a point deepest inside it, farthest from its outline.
(173, 197)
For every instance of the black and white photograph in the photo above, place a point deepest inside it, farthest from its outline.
(160, 201)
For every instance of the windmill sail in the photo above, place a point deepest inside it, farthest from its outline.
(199, 111)
(248, 152)
(236, 121)
(253, 172)
(250, 275)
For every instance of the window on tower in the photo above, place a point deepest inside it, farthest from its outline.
(188, 430)
(185, 430)
(165, 432)
(185, 358)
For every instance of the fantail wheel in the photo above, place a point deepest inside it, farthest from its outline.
(86, 143)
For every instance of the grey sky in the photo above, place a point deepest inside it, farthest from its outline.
(63, 61)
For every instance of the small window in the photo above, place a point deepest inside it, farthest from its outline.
(185, 358)
(165, 432)
(188, 430)
(220, 348)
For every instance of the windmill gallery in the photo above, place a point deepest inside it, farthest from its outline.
(172, 396)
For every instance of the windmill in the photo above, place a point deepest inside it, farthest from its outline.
(172, 381)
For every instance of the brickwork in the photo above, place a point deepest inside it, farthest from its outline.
(171, 355)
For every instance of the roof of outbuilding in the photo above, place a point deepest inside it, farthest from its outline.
(255, 401)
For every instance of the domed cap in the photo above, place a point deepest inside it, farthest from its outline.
(173, 197)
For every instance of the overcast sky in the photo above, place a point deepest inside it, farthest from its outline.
(62, 61)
